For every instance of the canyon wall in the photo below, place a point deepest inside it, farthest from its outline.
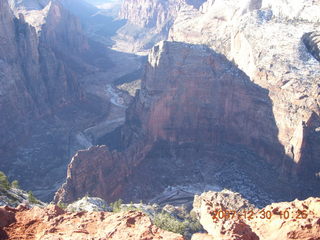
(198, 114)
(35, 75)
(277, 48)
(196, 119)
(240, 111)
(148, 24)
(43, 55)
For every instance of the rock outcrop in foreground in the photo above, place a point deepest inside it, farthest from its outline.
(54, 223)
(285, 220)
(298, 220)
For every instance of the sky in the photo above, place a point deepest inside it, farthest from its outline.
(105, 4)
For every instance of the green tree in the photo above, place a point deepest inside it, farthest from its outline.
(116, 206)
(62, 205)
(167, 222)
(15, 184)
(4, 183)
(31, 198)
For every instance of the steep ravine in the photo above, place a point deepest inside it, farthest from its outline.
(54, 97)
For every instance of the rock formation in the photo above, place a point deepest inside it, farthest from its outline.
(7, 217)
(265, 39)
(38, 74)
(54, 223)
(197, 118)
(284, 220)
(43, 53)
(148, 24)
(241, 112)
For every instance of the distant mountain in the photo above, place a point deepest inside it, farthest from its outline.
(100, 24)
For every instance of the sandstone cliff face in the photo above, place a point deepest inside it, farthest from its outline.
(148, 24)
(36, 74)
(21, 84)
(197, 118)
(43, 54)
(286, 220)
(54, 223)
(268, 42)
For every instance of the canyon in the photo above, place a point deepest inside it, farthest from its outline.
(182, 122)
(193, 123)
(161, 103)
(53, 87)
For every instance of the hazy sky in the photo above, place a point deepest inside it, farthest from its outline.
(95, 2)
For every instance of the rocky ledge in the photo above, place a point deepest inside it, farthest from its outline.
(54, 223)
(285, 220)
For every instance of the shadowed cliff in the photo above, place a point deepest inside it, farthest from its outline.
(197, 119)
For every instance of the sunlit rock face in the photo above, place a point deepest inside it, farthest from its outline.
(149, 23)
(197, 119)
(276, 45)
(52, 222)
(286, 220)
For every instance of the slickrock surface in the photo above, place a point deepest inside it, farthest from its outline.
(197, 118)
(54, 223)
(296, 226)
(88, 204)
